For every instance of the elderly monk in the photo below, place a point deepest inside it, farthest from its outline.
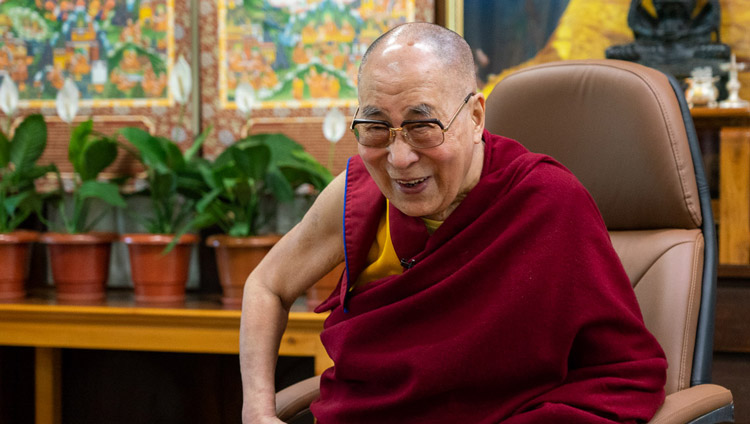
(480, 284)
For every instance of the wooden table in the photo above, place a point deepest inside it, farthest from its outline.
(198, 326)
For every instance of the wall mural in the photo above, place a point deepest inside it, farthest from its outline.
(300, 53)
(301, 59)
(118, 52)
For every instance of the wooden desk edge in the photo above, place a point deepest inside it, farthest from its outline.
(147, 329)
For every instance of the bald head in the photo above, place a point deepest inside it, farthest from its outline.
(452, 52)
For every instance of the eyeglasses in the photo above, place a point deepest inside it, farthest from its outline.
(419, 133)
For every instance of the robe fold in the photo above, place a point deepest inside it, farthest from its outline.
(516, 310)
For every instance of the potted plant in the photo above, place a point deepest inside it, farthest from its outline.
(261, 166)
(19, 199)
(160, 257)
(79, 257)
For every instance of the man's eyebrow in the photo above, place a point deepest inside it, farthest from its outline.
(370, 111)
(421, 109)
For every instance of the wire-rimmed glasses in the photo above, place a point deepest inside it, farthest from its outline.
(419, 133)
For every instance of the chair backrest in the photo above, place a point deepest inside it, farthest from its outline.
(624, 130)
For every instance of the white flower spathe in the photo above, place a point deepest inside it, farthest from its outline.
(244, 95)
(334, 125)
(66, 101)
(181, 81)
(8, 96)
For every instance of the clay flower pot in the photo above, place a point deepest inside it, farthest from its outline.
(80, 264)
(15, 253)
(159, 278)
(236, 257)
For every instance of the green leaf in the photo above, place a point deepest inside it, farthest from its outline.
(174, 159)
(315, 168)
(240, 229)
(18, 220)
(28, 143)
(282, 147)
(197, 143)
(96, 156)
(4, 150)
(252, 161)
(203, 204)
(210, 176)
(225, 158)
(106, 192)
(38, 171)
(279, 186)
(11, 203)
(77, 142)
(163, 185)
(297, 175)
(151, 152)
(244, 194)
(191, 185)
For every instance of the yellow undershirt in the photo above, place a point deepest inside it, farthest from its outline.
(382, 258)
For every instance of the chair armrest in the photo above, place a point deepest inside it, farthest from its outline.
(296, 398)
(691, 403)
(678, 408)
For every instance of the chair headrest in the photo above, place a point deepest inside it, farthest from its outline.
(617, 126)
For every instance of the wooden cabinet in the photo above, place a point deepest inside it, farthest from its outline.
(732, 209)
(727, 148)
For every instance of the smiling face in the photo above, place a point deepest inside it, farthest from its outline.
(406, 80)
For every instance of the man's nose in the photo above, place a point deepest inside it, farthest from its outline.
(400, 153)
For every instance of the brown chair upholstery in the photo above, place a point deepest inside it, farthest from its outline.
(621, 129)
(626, 133)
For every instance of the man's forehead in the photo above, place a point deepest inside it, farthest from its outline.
(398, 54)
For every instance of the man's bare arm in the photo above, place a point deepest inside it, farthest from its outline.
(304, 255)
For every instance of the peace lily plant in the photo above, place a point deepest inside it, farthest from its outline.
(18, 171)
(90, 153)
(78, 256)
(18, 195)
(256, 169)
(174, 183)
(18, 157)
(270, 165)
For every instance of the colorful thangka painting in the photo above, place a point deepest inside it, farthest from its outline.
(300, 53)
(118, 52)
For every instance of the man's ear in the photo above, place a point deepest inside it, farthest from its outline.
(477, 116)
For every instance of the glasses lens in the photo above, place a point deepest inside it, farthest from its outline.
(424, 134)
(372, 135)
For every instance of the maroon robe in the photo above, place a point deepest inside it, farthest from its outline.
(516, 310)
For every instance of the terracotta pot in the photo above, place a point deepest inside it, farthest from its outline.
(80, 264)
(323, 288)
(159, 278)
(15, 254)
(236, 257)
